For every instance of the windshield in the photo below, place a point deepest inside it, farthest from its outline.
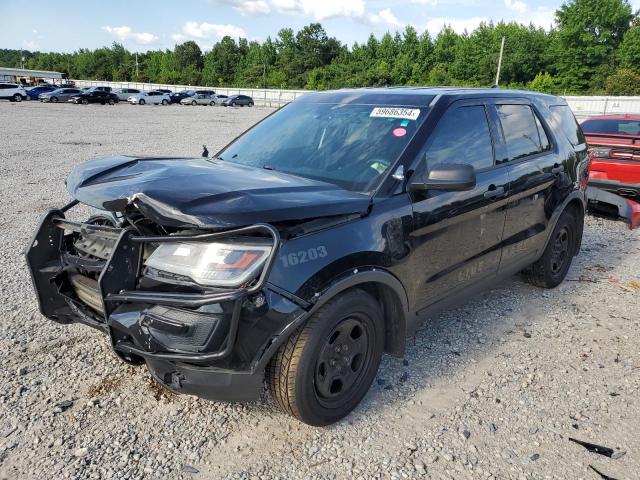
(351, 146)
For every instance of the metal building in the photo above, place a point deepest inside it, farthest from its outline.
(21, 75)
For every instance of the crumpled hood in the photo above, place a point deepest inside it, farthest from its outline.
(206, 193)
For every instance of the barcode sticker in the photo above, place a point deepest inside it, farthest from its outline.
(395, 112)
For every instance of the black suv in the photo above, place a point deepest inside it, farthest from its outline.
(95, 96)
(317, 240)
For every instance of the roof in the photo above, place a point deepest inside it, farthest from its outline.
(409, 96)
(21, 72)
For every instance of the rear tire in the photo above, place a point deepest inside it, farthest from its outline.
(141, 102)
(112, 101)
(551, 269)
(17, 98)
(325, 368)
(251, 104)
(165, 102)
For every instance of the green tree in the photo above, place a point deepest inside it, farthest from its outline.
(543, 82)
(589, 32)
(623, 82)
(629, 51)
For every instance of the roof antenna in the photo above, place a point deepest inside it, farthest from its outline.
(499, 64)
(205, 152)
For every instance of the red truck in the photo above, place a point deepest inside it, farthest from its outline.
(614, 179)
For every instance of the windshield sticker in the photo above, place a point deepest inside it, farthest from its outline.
(395, 112)
(399, 132)
(379, 167)
(404, 123)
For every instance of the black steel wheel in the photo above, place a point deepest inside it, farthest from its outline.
(552, 268)
(325, 368)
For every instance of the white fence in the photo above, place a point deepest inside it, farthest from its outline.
(587, 106)
(581, 106)
(265, 97)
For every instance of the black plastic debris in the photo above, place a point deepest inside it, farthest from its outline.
(189, 469)
(63, 406)
(593, 448)
(205, 152)
(602, 475)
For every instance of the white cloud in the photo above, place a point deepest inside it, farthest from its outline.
(253, 7)
(516, 5)
(385, 17)
(30, 45)
(206, 31)
(457, 24)
(124, 33)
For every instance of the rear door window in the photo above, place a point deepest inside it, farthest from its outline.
(462, 136)
(568, 124)
(520, 131)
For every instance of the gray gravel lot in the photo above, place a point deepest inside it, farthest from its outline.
(494, 389)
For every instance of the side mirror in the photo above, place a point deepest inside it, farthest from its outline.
(447, 177)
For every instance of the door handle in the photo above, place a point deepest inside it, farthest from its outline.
(557, 169)
(494, 192)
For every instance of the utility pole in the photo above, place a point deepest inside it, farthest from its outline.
(500, 62)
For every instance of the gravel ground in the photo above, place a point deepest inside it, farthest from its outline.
(494, 389)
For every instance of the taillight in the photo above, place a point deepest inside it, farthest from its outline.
(600, 152)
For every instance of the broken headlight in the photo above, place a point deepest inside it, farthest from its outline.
(208, 264)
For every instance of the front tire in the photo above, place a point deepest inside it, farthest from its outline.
(85, 101)
(141, 102)
(551, 269)
(54, 99)
(325, 368)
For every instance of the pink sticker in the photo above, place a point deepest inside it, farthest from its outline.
(399, 132)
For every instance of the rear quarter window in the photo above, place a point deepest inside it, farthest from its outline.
(566, 122)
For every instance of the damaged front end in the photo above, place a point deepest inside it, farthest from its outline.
(190, 333)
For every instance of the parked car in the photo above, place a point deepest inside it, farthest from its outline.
(67, 85)
(124, 93)
(34, 92)
(163, 90)
(95, 96)
(199, 99)
(154, 97)
(59, 95)
(220, 273)
(177, 97)
(238, 100)
(12, 91)
(614, 179)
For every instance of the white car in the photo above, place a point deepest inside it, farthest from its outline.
(124, 93)
(154, 97)
(13, 91)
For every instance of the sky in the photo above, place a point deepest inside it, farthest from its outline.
(67, 25)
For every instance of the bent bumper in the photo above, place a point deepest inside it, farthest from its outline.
(214, 344)
(608, 204)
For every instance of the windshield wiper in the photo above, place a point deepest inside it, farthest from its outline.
(268, 167)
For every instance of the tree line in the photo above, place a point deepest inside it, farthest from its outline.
(594, 48)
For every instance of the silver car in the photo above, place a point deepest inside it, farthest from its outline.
(59, 95)
(199, 99)
(124, 93)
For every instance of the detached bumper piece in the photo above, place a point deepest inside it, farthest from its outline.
(86, 273)
(611, 205)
